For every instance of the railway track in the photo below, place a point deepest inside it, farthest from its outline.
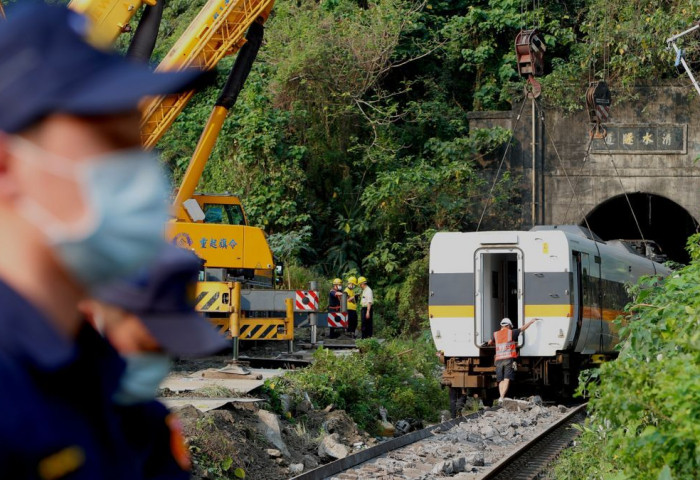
(530, 460)
(401, 457)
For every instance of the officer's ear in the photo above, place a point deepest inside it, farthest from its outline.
(8, 184)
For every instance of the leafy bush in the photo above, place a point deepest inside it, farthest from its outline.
(645, 406)
(400, 375)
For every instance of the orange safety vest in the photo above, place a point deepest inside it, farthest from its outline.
(505, 346)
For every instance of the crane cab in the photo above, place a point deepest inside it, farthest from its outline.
(219, 233)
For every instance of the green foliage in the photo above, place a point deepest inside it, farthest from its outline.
(622, 42)
(400, 375)
(589, 455)
(480, 43)
(646, 404)
(350, 143)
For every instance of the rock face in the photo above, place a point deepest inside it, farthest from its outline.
(331, 448)
(269, 426)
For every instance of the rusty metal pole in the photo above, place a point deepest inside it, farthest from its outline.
(235, 318)
(313, 317)
(534, 168)
(344, 302)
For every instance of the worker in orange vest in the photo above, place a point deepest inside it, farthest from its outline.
(506, 340)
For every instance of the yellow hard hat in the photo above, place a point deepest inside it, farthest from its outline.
(361, 280)
(337, 281)
(352, 280)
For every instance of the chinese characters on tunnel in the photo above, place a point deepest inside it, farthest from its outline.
(643, 139)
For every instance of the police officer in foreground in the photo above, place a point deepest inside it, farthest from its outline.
(506, 340)
(80, 205)
(149, 319)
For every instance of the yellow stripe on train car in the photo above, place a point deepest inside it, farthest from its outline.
(560, 310)
(450, 311)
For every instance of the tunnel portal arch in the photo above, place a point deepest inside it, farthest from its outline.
(660, 219)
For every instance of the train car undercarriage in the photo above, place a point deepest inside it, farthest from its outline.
(555, 378)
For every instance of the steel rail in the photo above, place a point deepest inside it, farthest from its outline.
(528, 462)
(338, 466)
(265, 362)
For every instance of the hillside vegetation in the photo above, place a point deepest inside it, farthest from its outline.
(350, 143)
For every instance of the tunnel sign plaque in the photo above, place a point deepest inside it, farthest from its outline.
(658, 138)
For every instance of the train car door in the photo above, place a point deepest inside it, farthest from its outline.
(498, 290)
(591, 314)
(577, 269)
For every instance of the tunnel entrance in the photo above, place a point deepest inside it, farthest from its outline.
(660, 219)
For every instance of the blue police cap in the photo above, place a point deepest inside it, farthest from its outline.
(161, 296)
(46, 66)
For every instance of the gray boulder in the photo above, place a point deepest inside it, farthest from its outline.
(269, 426)
(330, 447)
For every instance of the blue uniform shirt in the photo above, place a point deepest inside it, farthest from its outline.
(334, 300)
(57, 420)
(149, 433)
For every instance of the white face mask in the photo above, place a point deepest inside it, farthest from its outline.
(125, 194)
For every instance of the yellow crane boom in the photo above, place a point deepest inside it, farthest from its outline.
(108, 18)
(218, 30)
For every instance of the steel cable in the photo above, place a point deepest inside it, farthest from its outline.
(500, 165)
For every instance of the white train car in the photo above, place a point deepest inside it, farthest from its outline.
(570, 280)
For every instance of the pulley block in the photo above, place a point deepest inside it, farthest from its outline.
(598, 101)
(529, 51)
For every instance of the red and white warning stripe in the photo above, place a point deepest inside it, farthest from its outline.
(602, 112)
(338, 319)
(306, 300)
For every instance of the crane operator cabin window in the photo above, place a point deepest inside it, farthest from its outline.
(224, 214)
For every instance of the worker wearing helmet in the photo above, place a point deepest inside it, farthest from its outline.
(81, 205)
(334, 297)
(352, 306)
(506, 340)
(366, 302)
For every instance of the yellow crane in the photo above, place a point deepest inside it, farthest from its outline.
(219, 232)
(218, 30)
(214, 226)
(108, 18)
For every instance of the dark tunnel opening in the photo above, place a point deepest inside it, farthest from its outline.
(660, 219)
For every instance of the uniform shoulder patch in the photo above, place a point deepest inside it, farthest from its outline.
(178, 443)
(61, 463)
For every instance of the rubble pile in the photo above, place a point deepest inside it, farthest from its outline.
(467, 448)
(264, 445)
